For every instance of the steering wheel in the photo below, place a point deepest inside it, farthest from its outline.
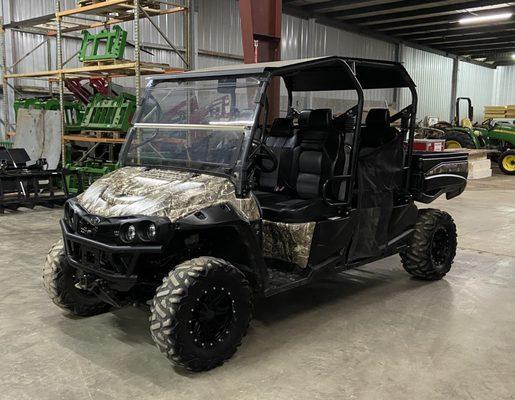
(263, 153)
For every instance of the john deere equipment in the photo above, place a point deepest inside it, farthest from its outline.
(73, 110)
(103, 113)
(113, 43)
(489, 135)
(87, 172)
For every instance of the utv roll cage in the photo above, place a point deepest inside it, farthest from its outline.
(316, 74)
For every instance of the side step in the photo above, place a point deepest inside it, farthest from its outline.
(281, 281)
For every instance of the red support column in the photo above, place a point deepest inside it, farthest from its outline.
(261, 37)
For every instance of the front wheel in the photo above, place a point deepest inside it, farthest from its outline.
(200, 313)
(507, 162)
(431, 251)
(61, 281)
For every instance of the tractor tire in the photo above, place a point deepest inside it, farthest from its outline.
(431, 251)
(201, 313)
(458, 140)
(60, 283)
(506, 162)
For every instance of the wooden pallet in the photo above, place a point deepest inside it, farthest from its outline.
(122, 61)
(121, 9)
(103, 134)
(96, 138)
(143, 3)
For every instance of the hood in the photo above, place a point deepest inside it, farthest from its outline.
(134, 191)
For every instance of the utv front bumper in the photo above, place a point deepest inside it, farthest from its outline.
(110, 262)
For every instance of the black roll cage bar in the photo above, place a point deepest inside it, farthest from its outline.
(406, 114)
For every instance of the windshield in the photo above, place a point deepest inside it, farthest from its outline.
(194, 124)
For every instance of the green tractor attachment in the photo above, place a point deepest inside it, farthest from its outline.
(85, 173)
(73, 110)
(103, 113)
(491, 135)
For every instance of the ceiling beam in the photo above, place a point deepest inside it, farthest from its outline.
(503, 40)
(474, 41)
(459, 33)
(387, 7)
(460, 47)
(424, 23)
(324, 19)
(325, 5)
(421, 12)
(450, 29)
(477, 53)
(505, 63)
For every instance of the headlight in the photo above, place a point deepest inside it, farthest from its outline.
(130, 233)
(151, 231)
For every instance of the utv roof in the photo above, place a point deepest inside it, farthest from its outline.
(321, 73)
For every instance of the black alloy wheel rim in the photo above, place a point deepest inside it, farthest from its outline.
(440, 247)
(212, 317)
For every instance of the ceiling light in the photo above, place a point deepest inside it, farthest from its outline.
(513, 56)
(485, 18)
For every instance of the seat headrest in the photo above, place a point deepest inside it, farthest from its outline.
(378, 118)
(282, 127)
(321, 118)
(304, 118)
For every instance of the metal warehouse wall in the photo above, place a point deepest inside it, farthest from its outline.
(504, 86)
(476, 82)
(219, 43)
(306, 38)
(219, 31)
(432, 74)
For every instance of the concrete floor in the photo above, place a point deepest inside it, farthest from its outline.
(374, 333)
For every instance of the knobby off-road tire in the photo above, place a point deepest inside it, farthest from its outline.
(200, 313)
(59, 280)
(462, 138)
(506, 162)
(433, 246)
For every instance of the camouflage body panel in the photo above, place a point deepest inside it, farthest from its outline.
(156, 192)
(288, 242)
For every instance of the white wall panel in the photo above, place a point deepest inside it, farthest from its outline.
(219, 26)
(295, 38)
(476, 82)
(504, 86)
(432, 74)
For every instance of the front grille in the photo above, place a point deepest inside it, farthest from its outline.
(96, 259)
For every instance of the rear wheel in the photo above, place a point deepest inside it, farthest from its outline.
(458, 140)
(431, 251)
(507, 162)
(62, 282)
(200, 313)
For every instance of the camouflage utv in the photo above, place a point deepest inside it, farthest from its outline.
(218, 203)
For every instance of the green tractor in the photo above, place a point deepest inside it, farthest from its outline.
(490, 134)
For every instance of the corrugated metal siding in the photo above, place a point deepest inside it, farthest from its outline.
(504, 86)
(302, 38)
(219, 31)
(477, 83)
(432, 74)
(219, 27)
(295, 35)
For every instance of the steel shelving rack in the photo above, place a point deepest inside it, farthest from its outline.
(91, 14)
